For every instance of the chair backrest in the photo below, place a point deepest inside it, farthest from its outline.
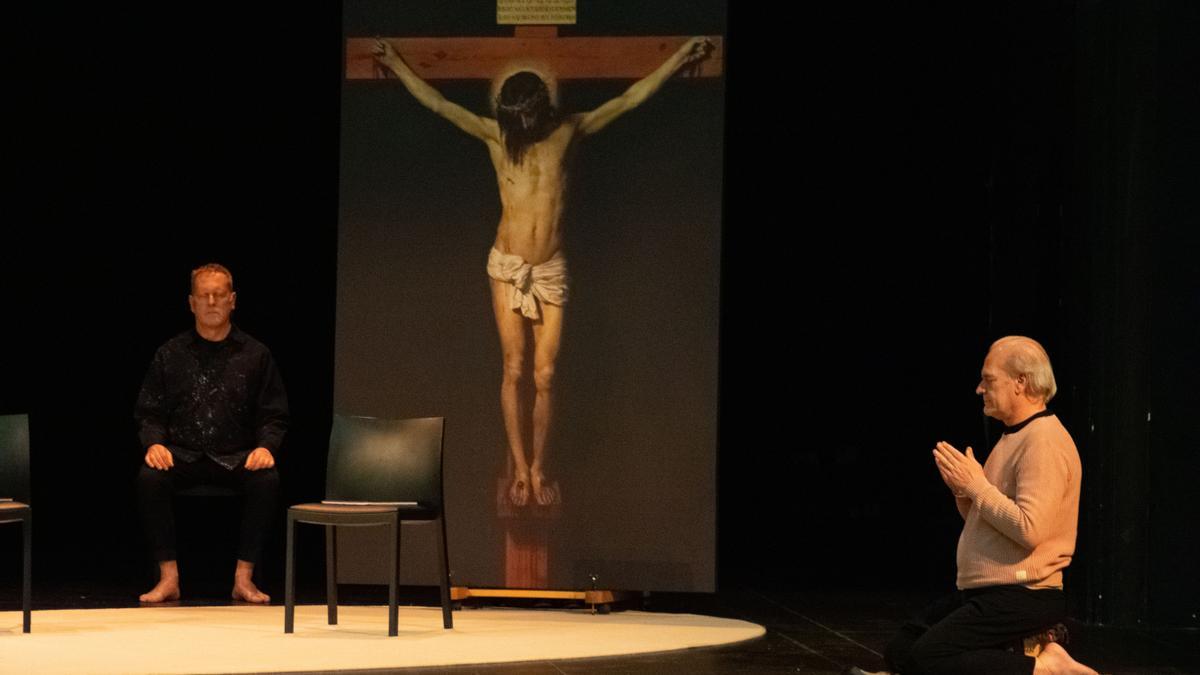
(14, 457)
(379, 460)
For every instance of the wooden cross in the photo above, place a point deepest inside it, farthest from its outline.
(573, 58)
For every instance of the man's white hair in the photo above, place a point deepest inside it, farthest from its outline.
(1024, 356)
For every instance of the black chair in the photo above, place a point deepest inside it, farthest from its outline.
(14, 491)
(380, 473)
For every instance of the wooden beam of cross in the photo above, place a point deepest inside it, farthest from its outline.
(573, 58)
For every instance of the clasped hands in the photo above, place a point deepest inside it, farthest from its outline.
(958, 470)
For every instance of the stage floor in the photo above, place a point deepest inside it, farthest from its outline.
(807, 633)
(248, 638)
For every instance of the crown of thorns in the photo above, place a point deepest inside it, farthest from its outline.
(524, 106)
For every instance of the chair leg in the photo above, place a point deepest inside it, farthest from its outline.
(289, 583)
(27, 584)
(331, 598)
(444, 573)
(394, 581)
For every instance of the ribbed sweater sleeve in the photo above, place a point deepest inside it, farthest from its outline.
(1041, 477)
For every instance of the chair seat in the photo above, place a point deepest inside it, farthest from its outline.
(348, 508)
(319, 510)
(14, 512)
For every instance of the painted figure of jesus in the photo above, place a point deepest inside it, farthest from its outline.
(529, 142)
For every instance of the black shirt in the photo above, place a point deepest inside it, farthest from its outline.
(221, 399)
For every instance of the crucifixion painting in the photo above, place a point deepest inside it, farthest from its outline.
(530, 142)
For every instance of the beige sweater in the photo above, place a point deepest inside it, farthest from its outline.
(1021, 521)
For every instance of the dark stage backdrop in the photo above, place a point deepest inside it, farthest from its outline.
(957, 172)
(633, 441)
(905, 183)
(172, 142)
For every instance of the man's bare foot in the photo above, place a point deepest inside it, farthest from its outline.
(518, 492)
(544, 491)
(165, 590)
(1054, 660)
(246, 591)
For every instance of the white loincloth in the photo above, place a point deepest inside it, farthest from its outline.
(531, 284)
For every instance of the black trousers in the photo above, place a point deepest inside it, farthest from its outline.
(156, 488)
(969, 632)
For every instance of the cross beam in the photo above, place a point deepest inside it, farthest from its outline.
(572, 58)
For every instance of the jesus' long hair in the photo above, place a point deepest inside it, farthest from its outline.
(524, 113)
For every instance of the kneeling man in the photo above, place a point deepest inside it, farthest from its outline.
(1020, 511)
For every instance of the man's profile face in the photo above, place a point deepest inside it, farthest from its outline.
(212, 300)
(999, 390)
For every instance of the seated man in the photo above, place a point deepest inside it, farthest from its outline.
(1020, 512)
(212, 410)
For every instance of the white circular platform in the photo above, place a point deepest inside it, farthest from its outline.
(247, 639)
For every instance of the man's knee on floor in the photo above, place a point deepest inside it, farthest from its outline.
(895, 655)
(925, 656)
